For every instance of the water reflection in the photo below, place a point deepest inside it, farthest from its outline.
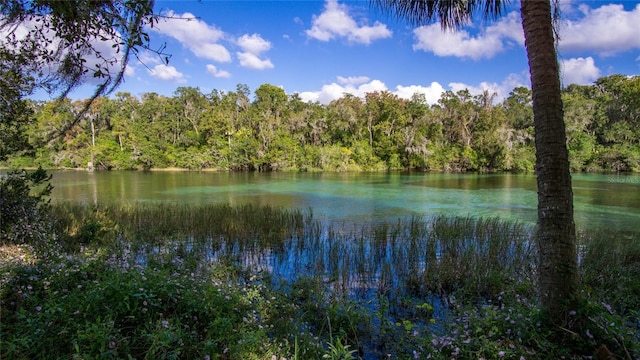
(600, 200)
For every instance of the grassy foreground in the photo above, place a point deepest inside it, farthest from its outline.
(252, 282)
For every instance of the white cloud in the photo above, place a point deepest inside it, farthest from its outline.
(508, 28)
(198, 36)
(211, 69)
(254, 43)
(252, 61)
(580, 71)
(129, 71)
(335, 22)
(104, 55)
(167, 73)
(607, 30)
(353, 80)
(501, 89)
(335, 91)
(361, 85)
(253, 46)
(489, 42)
(432, 92)
(147, 58)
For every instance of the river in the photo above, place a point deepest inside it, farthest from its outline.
(601, 200)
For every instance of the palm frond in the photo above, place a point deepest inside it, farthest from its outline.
(450, 13)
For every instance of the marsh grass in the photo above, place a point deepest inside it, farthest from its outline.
(258, 282)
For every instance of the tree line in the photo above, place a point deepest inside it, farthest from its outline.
(280, 132)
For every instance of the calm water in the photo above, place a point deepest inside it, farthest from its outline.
(611, 201)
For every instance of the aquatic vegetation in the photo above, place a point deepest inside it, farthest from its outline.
(258, 282)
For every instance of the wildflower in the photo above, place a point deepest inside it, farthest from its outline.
(589, 334)
(38, 308)
(572, 313)
(501, 353)
(207, 357)
(165, 324)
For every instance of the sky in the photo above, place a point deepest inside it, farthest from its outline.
(323, 49)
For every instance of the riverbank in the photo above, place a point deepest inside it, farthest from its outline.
(256, 282)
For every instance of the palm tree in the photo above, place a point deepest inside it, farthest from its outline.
(558, 279)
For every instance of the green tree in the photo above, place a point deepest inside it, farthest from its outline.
(579, 116)
(458, 115)
(417, 133)
(490, 133)
(519, 138)
(385, 114)
(346, 120)
(558, 274)
(67, 35)
(618, 123)
(15, 112)
(269, 109)
(57, 45)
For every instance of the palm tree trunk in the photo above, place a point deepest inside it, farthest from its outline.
(558, 276)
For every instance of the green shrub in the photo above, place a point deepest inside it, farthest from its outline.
(24, 207)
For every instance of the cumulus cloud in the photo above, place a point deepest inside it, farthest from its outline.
(489, 42)
(105, 54)
(147, 58)
(501, 89)
(211, 69)
(361, 85)
(432, 92)
(252, 61)
(196, 35)
(353, 80)
(253, 46)
(336, 22)
(607, 30)
(129, 71)
(254, 43)
(167, 73)
(580, 71)
(335, 91)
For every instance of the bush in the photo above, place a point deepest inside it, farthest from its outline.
(24, 207)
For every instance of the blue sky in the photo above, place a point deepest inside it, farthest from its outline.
(322, 49)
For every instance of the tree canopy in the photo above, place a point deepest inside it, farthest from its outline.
(57, 45)
(60, 44)
(276, 131)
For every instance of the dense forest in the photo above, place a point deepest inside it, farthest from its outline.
(273, 131)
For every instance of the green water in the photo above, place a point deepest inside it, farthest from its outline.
(609, 201)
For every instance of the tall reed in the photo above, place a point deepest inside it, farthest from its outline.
(417, 256)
